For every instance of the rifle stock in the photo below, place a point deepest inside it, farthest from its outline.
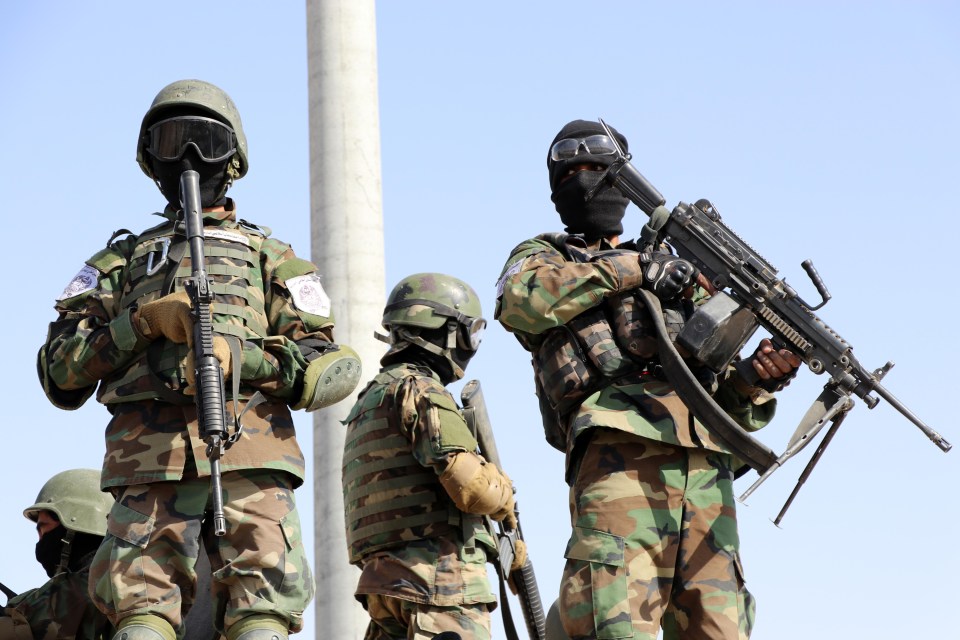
(209, 376)
(747, 284)
(524, 580)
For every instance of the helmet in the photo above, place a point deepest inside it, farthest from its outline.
(202, 96)
(75, 497)
(429, 301)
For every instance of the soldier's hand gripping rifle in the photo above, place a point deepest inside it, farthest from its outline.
(523, 579)
(749, 294)
(211, 413)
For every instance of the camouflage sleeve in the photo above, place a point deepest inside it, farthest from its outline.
(540, 289)
(90, 339)
(433, 422)
(750, 407)
(298, 311)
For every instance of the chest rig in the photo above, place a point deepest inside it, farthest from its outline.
(608, 342)
(158, 265)
(391, 499)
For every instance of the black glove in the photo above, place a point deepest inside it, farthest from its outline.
(667, 275)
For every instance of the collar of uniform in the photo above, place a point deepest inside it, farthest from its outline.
(227, 214)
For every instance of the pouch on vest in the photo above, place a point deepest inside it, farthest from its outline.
(563, 371)
(596, 336)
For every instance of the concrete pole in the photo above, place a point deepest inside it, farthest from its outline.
(347, 245)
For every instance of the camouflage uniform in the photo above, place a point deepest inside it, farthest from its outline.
(654, 526)
(50, 612)
(422, 560)
(270, 302)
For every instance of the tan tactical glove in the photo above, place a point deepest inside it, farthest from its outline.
(221, 349)
(477, 486)
(519, 557)
(168, 317)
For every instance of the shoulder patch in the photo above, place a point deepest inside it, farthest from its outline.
(513, 269)
(84, 281)
(308, 294)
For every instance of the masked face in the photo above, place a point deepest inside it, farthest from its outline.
(214, 179)
(599, 217)
(186, 140)
(48, 549)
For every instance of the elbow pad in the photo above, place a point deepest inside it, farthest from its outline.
(330, 378)
(477, 487)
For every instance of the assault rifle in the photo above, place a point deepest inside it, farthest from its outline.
(524, 580)
(209, 396)
(748, 294)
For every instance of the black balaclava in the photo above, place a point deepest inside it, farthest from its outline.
(602, 215)
(49, 549)
(215, 177)
(214, 180)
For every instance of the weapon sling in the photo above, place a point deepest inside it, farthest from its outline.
(704, 407)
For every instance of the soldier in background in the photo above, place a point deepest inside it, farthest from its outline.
(70, 513)
(124, 328)
(654, 538)
(415, 490)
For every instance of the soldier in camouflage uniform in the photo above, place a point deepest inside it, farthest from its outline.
(654, 540)
(124, 328)
(71, 517)
(415, 492)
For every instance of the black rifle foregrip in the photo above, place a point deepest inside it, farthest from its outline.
(533, 613)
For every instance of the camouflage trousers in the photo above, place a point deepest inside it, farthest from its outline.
(146, 564)
(395, 619)
(654, 544)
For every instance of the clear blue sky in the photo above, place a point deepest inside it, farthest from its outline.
(820, 130)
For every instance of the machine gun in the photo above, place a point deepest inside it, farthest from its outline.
(209, 396)
(748, 294)
(523, 579)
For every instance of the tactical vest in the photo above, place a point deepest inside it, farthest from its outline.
(390, 498)
(158, 265)
(608, 342)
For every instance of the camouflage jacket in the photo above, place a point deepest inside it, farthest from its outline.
(268, 300)
(403, 530)
(58, 610)
(541, 290)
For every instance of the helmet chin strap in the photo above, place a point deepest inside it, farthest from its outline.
(402, 334)
(65, 552)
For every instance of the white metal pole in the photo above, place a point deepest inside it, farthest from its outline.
(347, 246)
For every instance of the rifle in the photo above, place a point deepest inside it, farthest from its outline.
(524, 580)
(748, 294)
(211, 414)
(7, 591)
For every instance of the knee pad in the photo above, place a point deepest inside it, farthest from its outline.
(145, 627)
(258, 627)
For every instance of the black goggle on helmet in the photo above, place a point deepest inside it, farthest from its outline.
(468, 330)
(168, 140)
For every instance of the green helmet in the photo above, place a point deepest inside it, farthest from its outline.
(430, 301)
(76, 499)
(203, 96)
